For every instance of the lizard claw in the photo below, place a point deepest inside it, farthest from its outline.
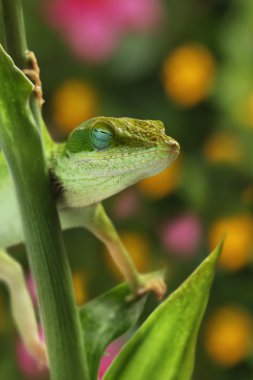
(33, 73)
(39, 352)
(155, 285)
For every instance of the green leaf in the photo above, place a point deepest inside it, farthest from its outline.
(15, 91)
(106, 318)
(15, 86)
(164, 347)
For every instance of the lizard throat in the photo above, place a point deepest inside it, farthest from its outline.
(85, 191)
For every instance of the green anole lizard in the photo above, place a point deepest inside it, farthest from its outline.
(101, 157)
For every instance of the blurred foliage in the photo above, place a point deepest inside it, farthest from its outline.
(194, 72)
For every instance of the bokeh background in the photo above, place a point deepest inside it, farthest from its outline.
(188, 63)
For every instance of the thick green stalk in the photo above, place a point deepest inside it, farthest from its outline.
(21, 144)
(22, 148)
(16, 44)
(2, 31)
(15, 31)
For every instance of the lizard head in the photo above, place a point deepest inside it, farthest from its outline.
(104, 155)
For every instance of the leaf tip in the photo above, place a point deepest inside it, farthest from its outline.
(215, 254)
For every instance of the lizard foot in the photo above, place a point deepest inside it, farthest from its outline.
(155, 285)
(38, 350)
(33, 73)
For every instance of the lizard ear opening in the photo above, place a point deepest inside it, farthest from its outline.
(102, 136)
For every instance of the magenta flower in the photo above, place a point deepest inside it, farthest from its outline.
(93, 28)
(111, 352)
(182, 235)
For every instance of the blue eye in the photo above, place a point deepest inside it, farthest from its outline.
(101, 138)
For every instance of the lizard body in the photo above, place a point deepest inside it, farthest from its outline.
(100, 158)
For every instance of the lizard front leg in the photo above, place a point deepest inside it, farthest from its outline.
(96, 220)
(21, 306)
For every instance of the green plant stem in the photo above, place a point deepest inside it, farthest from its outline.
(15, 36)
(16, 43)
(45, 251)
(21, 144)
(2, 31)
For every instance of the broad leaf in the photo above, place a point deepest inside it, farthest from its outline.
(106, 318)
(164, 347)
(16, 120)
(14, 90)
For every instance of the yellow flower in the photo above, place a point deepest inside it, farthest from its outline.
(228, 335)
(74, 102)
(163, 183)
(237, 250)
(80, 287)
(223, 147)
(188, 74)
(138, 248)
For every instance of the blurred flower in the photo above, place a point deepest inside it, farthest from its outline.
(163, 183)
(126, 204)
(27, 363)
(182, 234)
(237, 250)
(188, 74)
(93, 28)
(111, 352)
(74, 102)
(228, 335)
(80, 286)
(138, 248)
(223, 147)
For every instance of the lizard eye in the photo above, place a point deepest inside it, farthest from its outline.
(101, 137)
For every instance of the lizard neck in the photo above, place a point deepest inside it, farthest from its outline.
(71, 187)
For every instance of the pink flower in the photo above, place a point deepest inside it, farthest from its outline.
(111, 352)
(138, 15)
(182, 234)
(93, 28)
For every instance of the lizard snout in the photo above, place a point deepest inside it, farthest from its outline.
(174, 147)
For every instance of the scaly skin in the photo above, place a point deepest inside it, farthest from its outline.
(139, 149)
(100, 158)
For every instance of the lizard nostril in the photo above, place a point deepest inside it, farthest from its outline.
(174, 146)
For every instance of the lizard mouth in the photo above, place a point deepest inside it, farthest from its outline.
(143, 163)
(174, 147)
(151, 167)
